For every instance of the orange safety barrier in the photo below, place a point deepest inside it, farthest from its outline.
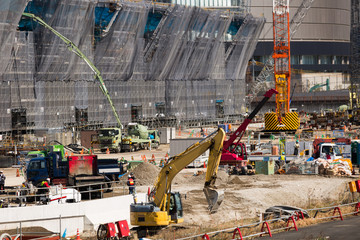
(340, 215)
(263, 228)
(237, 230)
(288, 221)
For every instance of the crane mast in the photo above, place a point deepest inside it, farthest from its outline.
(281, 56)
(282, 119)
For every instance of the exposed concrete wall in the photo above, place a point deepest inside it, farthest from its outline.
(85, 215)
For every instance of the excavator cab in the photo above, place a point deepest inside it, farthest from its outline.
(175, 207)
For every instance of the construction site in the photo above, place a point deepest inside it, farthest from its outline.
(179, 119)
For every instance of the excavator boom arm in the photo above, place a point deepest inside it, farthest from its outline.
(214, 142)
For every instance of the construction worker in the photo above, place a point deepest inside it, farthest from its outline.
(161, 164)
(282, 160)
(131, 183)
(202, 132)
(45, 183)
(43, 190)
(296, 148)
(2, 182)
(3, 204)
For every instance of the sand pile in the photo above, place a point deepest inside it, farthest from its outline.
(145, 174)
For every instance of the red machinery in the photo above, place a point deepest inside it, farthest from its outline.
(234, 153)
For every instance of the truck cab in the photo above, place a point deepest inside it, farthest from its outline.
(110, 138)
(330, 150)
(41, 168)
(34, 154)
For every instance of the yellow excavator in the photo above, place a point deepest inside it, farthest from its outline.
(164, 206)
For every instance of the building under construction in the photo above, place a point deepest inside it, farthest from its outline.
(161, 63)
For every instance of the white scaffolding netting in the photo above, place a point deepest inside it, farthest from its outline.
(10, 13)
(184, 65)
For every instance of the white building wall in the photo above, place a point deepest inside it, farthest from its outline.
(337, 81)
(87, 215)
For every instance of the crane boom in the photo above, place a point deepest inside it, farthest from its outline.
(241, 129)
(73, 48)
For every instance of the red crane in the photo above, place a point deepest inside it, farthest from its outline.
(234, 152)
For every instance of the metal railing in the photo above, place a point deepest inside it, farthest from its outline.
(20, 233)
(295, 216)
(20, 195)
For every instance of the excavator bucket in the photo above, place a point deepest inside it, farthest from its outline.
(214, 198)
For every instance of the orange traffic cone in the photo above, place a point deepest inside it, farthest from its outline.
(82, 151)
(17, 173)
(72, 154)
(107, 151)
(66, 154)
(78, 235)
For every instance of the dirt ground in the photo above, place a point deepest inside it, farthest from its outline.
(244, 196)
(247, 196)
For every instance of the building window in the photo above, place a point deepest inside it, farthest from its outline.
(325, 59)
(295, 59)
(308, 59)
(337, 60)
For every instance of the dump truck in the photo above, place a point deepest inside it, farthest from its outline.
(139, 137)
(75, 171)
